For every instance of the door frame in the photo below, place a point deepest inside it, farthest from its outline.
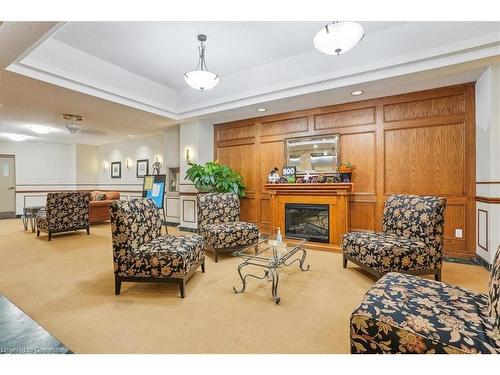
(12, 156)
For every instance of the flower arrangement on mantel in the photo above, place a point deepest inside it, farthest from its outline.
(343, 175)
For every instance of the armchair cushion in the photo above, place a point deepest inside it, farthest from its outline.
(65, 211)
(164, 257)
(385, 252)
(494, 292)
(408, 314)
(215, 208)
(226, 235)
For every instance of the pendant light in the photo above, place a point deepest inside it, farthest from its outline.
(200, 78)
(338, 37)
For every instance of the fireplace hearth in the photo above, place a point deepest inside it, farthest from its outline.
(309, 221)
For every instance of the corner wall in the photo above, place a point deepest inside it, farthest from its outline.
(488, 163)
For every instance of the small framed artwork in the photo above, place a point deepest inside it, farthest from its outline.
(142, 168)
(116, 169)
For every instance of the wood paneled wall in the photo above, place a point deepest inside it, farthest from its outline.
(418, 143)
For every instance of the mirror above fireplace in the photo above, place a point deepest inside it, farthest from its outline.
(313, 154)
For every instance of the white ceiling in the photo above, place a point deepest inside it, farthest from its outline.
(127, 77)
(164, 51)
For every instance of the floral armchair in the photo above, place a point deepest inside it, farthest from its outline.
(64, 212)
(142, 254)
(219, 223)
(407, 314)
(411, 240)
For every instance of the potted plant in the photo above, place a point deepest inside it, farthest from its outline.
(345, 169)
(215, 177)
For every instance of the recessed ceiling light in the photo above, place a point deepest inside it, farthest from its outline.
(357, 92)
(40, 129)
(15, 137)
(131, 135)
(261, 110)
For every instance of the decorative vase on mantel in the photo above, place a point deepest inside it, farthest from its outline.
(345, 170)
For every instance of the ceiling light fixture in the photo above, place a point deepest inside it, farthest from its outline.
(357, 92)
(338, 37)
(41, 129)
(200, 78)
(261, 110)
(16, 137)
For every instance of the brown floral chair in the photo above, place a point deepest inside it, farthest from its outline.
(407, 314)
(219, 223)
(411, 240)
(64, 212)
(142, 254)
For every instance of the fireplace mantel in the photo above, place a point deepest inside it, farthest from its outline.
(336, 195)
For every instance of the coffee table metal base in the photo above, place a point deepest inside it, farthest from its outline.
(271, 271)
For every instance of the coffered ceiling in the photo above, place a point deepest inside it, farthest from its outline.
(124, 66)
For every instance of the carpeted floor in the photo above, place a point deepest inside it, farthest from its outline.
(67, 286)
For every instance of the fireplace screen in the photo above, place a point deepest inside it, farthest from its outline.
(308, 221)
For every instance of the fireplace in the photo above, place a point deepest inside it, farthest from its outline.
(310, 221)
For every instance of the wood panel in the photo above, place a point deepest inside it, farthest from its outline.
(425, 160)
(419, 143)
(291, 126)
(448, 105)
(272, 154)
(364, 116)
(241, 159)
(362, 216)
(359, 148)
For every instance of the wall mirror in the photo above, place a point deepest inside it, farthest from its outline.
(313, 154)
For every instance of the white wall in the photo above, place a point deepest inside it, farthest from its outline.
(87, 164)
(198, 136)
(488, 162)
(40, 166)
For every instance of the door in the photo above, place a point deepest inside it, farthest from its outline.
(7, 186)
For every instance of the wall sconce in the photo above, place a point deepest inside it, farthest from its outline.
(187, 154)
(105, 165)
(128, 163)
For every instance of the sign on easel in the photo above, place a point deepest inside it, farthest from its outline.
(154, 188)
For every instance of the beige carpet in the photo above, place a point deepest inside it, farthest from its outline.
(67, 286)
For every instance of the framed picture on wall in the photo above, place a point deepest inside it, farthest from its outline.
(116, 169)
(142, 168)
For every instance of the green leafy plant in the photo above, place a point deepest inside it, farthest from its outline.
(215, 177)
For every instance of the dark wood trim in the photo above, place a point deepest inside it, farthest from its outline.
(489, 200)
(487, 182)
(485, 248)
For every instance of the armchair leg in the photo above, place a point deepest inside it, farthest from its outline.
(182, 286)
(88, 230)
(118, 285)
(203, 266)
(437, 275)
(216, 252)
(344, 261)
(38, 233)
(50, 236)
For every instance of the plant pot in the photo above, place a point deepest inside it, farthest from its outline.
(345, 177)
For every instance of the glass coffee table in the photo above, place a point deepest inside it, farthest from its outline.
(271, 256)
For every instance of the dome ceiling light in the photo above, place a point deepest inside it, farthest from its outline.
(200, 78)
(338, 37)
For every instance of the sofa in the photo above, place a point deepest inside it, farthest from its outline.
(219, 223)
(64, 212)
(99, 205)
(411, 240)
(408, 314)
(142, 254)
